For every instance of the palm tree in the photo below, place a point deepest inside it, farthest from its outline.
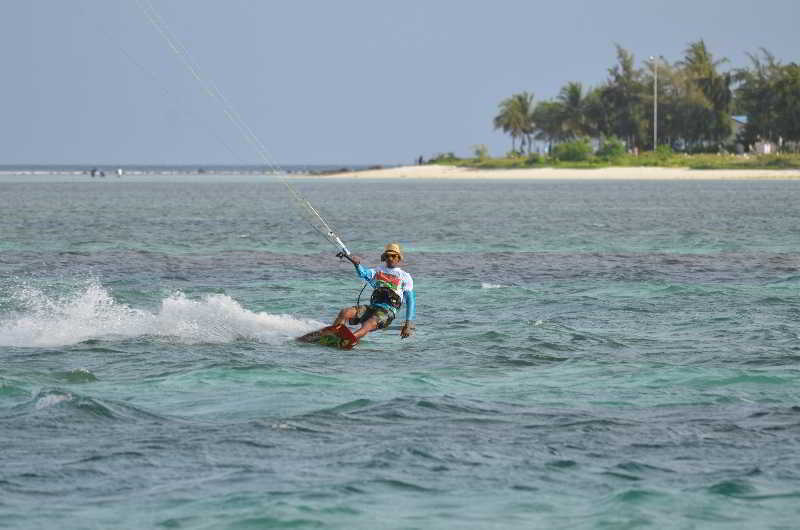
(701, 68)
(788, 96)
(516, 118)
(598, 113)
(622, 94)
(756, 96)
(699, 61)
(548, 117)
(574, 122)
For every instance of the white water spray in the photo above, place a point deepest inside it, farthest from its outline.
(91, 313)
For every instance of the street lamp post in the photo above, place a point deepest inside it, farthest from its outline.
(655, 102)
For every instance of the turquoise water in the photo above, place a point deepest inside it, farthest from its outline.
(588, 355)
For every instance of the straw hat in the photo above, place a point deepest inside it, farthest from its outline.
(393, 248)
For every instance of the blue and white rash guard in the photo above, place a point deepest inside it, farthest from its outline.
(395, 279)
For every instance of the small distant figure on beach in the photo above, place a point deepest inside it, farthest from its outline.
(420, 160)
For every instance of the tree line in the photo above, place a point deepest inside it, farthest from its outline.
(695, 101)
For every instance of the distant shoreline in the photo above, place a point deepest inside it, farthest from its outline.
(430, 171)
(608, 173)
(108, 170)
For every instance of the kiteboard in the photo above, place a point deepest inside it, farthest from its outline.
(334, 336)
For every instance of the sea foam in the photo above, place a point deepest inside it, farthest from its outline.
(91, 313)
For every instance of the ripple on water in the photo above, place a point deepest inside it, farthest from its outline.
(13, 389)
(64, 406)
(732, 488)
(79, 375)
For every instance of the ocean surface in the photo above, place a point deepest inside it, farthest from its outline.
(590, 355)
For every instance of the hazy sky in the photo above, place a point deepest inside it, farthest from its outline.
(344, 82)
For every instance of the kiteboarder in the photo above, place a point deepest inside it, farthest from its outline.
(393, 287)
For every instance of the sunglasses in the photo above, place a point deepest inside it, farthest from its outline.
(392, 254)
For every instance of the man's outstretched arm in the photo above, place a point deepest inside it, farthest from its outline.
(363, 272)
(410, 300)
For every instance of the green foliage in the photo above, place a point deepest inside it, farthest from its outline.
(703, 149)
(623, 101)
(769, 94)
(574, 151)
(444, 158)
(516, 118)
(611, 148)
(548, 118)
(481, 152)
(693, 96)
(662, 158)
(664, 151)
(573, 118)
(742, 162)
(499, 163)
(707, 118)
(533, 159)
(783, 162)
(788, 95)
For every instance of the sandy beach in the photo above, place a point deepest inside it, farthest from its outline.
(613, 173)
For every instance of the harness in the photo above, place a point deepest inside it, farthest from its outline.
(384, 295)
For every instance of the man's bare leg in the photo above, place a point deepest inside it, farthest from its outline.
(370, 325)
(345, 315)
(351, 312)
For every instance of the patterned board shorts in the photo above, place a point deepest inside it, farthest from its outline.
(364, 313)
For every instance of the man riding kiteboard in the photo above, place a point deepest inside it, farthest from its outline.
(393, 287)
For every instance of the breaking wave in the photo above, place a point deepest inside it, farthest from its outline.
(91, 313)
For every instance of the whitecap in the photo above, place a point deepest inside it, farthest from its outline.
(51, 399)
(218, 318)
(92, 313)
